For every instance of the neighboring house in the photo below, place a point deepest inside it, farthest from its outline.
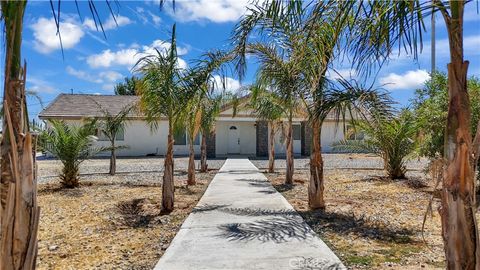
(242, 134)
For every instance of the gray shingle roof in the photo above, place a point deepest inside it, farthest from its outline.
(82, 105)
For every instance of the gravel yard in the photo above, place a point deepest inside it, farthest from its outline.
(113, 222)
(139, 168)
(372, 222)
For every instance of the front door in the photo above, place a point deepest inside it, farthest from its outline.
(233, 140)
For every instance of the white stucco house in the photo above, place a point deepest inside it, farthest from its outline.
(243, 134)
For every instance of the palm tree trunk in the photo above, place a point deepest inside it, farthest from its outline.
(191, 165)
(271, 156)
(168, 187)
(290, 168)
(203, 154)
(459, 227)
(113, 159)
(19, 212)
(316, 185)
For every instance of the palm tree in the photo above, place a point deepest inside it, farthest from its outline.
(193, 118)
(204, 108)
(19, 212)
(376, 27)
(280, 70)
(392, 139)
(268, 108)
(210, 110)
(163, 93)
(71, 145)
(311, 42)
(110, 125)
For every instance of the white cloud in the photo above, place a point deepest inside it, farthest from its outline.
(231, 85)
(218, 11)
(83, 75)
(40, 86)
(102, 77)
(108, 87)
(411, 79)
(109, 24)
(46, 39)
(129, 57)
(342, 73)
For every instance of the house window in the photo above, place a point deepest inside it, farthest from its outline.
(353, 135)
(120, 136)
(180, 138)
(297, 132)
(233, 127)
(197, 139)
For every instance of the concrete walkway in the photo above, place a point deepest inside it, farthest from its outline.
(242, 222)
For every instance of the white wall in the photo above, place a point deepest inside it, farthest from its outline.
(141, 140)
(331, 133)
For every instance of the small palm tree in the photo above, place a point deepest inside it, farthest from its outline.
(110, 125)
(392, 139)
(267, 107)
(72, 145)
(204, 107)
(210, 111)
(163, 93)
(279, 69)
(193, 118)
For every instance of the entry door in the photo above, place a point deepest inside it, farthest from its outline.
(233, 140)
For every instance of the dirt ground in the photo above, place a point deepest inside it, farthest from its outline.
(371, 222)
(110, 222)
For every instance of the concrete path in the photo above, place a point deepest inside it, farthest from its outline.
(242, 222)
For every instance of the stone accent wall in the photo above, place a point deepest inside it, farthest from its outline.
(262, 138)
(306, 141)
(211, 149)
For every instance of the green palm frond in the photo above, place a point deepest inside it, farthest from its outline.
(392, 139)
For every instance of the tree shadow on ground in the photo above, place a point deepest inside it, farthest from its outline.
(276, 229)
(283, 187)
(322, 221)
(138, 213)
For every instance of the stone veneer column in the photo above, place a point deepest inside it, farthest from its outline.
(211, 148)
(262, 138)
(306, 138)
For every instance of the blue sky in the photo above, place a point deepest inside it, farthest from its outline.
(93, 64)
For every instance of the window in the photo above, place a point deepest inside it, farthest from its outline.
(354, 135)
(297, 132)
(233, 128)
(180, 138)
(197, 139)
(120, 136)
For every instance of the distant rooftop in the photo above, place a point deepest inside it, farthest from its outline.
(83, 105)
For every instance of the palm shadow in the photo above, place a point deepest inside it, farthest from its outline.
(322, 221)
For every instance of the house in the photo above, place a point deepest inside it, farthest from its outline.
(243, 134)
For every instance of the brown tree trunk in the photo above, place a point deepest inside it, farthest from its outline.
(19, 212)
(271, 156)
(203, 154)
(316, 185)
(459, 227)
(113, 160)
(168, 187)
(191, 166)
(289, 160)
